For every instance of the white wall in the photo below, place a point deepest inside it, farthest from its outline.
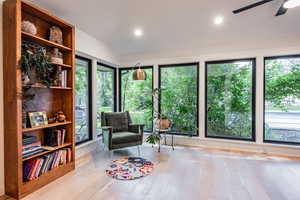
(204, 55)
(1, 106)
(89, 45)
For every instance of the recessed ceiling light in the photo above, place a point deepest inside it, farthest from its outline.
(218, 20)
(291, 4)
(138, 32)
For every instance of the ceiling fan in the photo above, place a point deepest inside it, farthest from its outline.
(286, 4)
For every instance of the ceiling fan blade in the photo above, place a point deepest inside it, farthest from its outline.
(282, 10)
(251, 6)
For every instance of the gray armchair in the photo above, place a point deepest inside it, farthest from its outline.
(119, 132)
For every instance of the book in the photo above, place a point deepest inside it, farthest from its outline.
(55, 137)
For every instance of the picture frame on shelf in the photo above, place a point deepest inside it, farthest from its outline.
(38, 118)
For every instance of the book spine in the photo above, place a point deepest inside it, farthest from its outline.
(32, 173)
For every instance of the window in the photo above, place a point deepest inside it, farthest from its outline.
(282, 99)
(230, 99)
(136, 96)
(83, 100)
(179, 97)
(105, 92)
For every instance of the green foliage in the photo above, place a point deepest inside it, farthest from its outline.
(137, 98)
(179, 98)
(229, 95)
(81, 105)
(282, 83)
(104, 93)
(153, 138)
(34, 58)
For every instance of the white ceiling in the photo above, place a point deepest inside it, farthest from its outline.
(174, 24)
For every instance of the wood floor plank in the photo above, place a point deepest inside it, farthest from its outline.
(186, 173)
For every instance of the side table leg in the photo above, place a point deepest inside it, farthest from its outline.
(173, 142)
(159, 145)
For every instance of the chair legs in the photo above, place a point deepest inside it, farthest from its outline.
(139, 150)
(111, 154)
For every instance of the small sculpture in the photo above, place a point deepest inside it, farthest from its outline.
(59, 117)
(57, 56)
(28, 27)
(56, 35)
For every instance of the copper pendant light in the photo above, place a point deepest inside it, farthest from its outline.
(139, 74)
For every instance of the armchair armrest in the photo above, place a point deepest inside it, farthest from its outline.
(106, 127)
(107, 136)
(136, 128)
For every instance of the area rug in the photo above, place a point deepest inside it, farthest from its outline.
(130, 168)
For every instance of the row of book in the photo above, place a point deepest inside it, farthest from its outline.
(55, 137)
(31, 146)
(36, 167)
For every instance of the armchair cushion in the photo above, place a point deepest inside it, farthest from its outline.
(119, 121)
(125, 137)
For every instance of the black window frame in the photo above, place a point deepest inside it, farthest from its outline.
(120, 85)
(197, 64)
(264, 101)
(90, 100)
(253, 139)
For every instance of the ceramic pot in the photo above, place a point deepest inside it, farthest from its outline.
(163, 123)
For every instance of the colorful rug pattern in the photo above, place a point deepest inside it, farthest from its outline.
(130, 168)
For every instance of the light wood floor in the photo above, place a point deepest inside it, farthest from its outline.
(183, 174)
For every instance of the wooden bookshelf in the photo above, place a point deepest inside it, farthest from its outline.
(48, 99)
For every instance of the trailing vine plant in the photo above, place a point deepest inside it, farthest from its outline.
(35, 60)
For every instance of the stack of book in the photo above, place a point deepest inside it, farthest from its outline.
(31, 146)
(36, 167)
(55, 137)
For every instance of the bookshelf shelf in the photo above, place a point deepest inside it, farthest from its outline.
(48, 151)
(44, 42)
(44, 87)
(62, 65)
(46, 126)
(45, 99)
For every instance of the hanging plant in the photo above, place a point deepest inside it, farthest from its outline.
(35, 61)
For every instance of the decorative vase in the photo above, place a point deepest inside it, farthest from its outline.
(25, 79)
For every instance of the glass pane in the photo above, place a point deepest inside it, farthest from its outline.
(136, 97)
(282, 100)
(82, 101)
(179, 97)
(229, 99)
(105, 93)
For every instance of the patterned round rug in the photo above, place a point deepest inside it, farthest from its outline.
(130, 168)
